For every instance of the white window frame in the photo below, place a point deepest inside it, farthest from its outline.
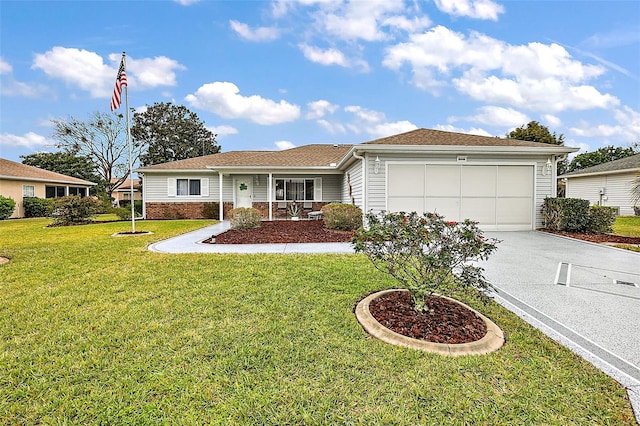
(317, 188)
(172, 187)
(28, 191)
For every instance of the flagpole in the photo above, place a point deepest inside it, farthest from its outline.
(133, 212)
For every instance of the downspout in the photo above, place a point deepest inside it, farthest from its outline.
(364, 181)
(554, 175)
(144, 196)
(221, 202)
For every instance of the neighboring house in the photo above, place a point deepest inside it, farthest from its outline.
(122, 192)
(20, 181)
(501, 183)
(607, 184)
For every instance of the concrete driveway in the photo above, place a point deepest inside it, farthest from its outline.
(585, 295)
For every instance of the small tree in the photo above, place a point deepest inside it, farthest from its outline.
(426, 253)
(7, 205)
(74, 209)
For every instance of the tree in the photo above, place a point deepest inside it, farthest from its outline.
(602, 155)
(102, 138)
(536, 132)
(170, 133)
(65, 162)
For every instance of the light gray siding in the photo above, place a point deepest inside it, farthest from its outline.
(616, 187)
(352, 185)
(155, 187)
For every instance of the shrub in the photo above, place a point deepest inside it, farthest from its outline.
(342, 216)
(74, 209)
(211, 210)
(38, 207)
(426, 253)
(124, 213)
(7, 206)
(601, 219)
(245, 218)
(566, 214)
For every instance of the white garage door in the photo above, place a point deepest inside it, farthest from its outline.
(496, 196)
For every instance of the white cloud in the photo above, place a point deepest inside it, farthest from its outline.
(318, 109)
(150, 72)
(87, 71)
(359, 20)
(498, 116)
(5, 67)
(29, 140)
(331, 56)
(225, 100)
(186, 2)
(257, 34)
(332, 128)
(550, 120)
(375, 123)
(471, 131)
(223, 130)
(533, 76)
(479, 9)
(282, 145)
(626, 129)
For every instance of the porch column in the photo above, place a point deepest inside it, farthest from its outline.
(270, 195)
(221, 202)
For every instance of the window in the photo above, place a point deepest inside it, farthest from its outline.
(295, 189)
(126, 196)
(28, 191)
(77, 191)
(54, 191)
(188, 187)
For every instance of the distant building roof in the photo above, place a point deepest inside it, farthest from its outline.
(630, 163)
(18, 171)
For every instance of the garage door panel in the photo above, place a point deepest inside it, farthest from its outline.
(443, 181)
(406, 180)
(447, 207)
(478, 181)
(513, 211)
(515, 181)
(481, 210)
(406, 204)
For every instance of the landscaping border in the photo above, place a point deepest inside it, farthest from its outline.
(491, 342)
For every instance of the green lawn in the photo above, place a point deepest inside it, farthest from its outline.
(98, 330)
(627, 225)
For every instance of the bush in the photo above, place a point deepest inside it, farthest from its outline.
(426, 253)
(342, 216)
(124, 213)
(211, 211)
(245, 218)
(7, 206)
(38, 207)
(137, 206)
(601, 219)
(74, 209)
(566, 214)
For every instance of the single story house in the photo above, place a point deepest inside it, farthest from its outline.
(19, 181)
(501, 183)
(122, 193)
(607, 184)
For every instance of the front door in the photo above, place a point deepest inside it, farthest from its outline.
(244, 191)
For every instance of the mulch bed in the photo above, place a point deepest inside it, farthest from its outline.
(597, 238)
(284, 231)
(444, 322)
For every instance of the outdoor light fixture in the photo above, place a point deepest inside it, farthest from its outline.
(376, 165)
(548, 167)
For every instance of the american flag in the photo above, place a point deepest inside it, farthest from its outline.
(121, 80)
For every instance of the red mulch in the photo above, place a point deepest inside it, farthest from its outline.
(284, 231)
(597, 238)
(444, 322)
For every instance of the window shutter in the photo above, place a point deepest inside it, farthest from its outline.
(204, 187)
(171, 187)
(317, 189)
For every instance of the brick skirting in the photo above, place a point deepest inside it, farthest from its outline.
(202, 210)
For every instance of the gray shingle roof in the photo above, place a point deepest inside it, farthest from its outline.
(627, 163)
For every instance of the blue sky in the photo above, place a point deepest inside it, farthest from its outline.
(276, 74)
